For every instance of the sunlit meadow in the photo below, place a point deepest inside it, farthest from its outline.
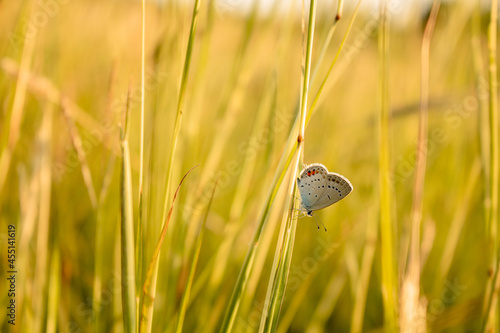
(149, 151)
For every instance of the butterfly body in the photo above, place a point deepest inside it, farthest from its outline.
(319, 188)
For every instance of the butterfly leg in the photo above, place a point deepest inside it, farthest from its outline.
(318, 219)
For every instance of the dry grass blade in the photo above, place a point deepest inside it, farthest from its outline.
(42, 87)
(148, 298)
(412, 311)
(194, 262)
(77, 144)
(17, 113)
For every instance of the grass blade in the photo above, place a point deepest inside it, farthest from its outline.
(54, 290)
(412, 311)
(328, 301)
(127, 231)
(147, 317)
(246, 268)
(180, 101)
(334, 61)
(362, 284)
(77, 144)
(194, 262)
(284, 249)
(149, 286)
(140, 227)
(389, 282)
(491, 297)
(17, 113)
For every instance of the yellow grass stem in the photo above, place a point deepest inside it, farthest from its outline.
(127, 231)
(284, 249)
(491, 312)
(194, 262)
(146, 317)
(17, 110)
(152, 271)
(363, 282)
(389, 281)
(334, 61)
(43, 252)
(76, 139)
(413, 313)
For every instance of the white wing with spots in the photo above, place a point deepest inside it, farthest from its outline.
(319, 188)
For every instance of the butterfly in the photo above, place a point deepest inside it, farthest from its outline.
(319, 188)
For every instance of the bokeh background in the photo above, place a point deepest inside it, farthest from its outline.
(81, 59)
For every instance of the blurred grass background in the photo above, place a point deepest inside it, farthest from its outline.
(240, 102)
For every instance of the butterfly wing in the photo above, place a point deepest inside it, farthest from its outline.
(319, 188)
(337, 187)
(312, 184)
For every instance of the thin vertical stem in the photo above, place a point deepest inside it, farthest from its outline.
(284, 249)
(491, 312)
(140, 227)
(17, 113)
(307, 71)
(493, 104)
(141, 165)
(146, 318)
(127, 232)
(411, 311)
(389, 286)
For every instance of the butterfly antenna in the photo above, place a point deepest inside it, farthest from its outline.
(318, 219)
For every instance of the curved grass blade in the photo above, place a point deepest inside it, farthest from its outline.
(149, 286)
(127, 231)
(152, 275)
(187, 290)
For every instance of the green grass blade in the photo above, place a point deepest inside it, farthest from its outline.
(147, 318)
(491, 312)
(389, 281)
(142, 155)
(180, 101)
(284, 248)
(194, 262)
(328, 300)
(54, 290)
(237, 87)
(316, 100)
(127, 232)
(233, 225)
(328, 40)
(363, 282)
(17, 110)
(149, 286)
(246, 268)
